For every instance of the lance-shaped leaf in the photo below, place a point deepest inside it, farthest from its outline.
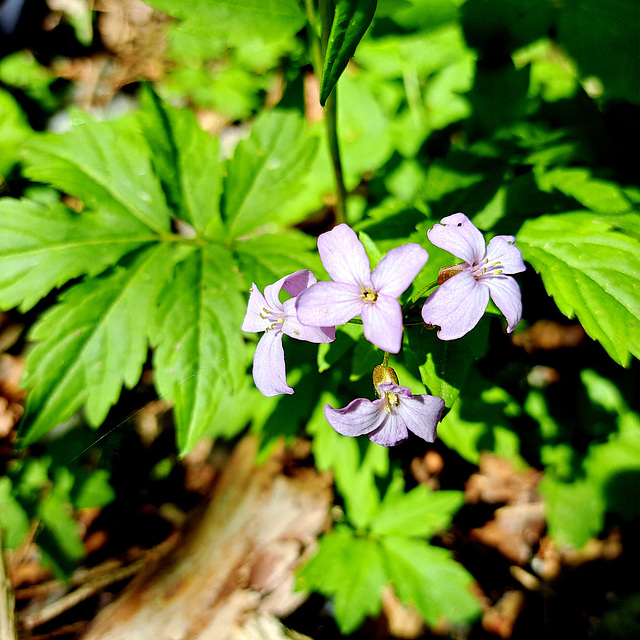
(187, 161)
(350, 22)
(266, 170)
(91, 342)
(592, 270)
(106, 165)
(200, 354)
(44, 246)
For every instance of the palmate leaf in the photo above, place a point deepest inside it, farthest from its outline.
(349, 569)
(592, 270)
(187, 160)
(266, 170)
(106, 165)
(200, 353)
(431, 579)
(350, 22)
(91, 342)
(44, 246)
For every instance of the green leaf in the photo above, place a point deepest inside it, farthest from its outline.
(350, 22)
(238, 20)
(14, 130)
(44, 246)
(420, 512)
(91, 342)
(431, 579)
(187, 161)
(200, 353)
(106, 165)
(267, 258)
(614, 26)
(574, 510)
(13, 518)
(59, 538)
(348, 569)
(600, 196)
(592, 270)
(92, 489)
(266, 170)
(447, 361)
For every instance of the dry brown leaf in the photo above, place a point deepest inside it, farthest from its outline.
(548, 335)
(500, 618)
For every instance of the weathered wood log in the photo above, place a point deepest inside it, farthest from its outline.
(234, 565)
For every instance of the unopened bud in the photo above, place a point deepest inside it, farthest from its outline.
(384, 374)
(448, 272)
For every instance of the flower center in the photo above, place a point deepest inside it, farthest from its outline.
(391, 401)
(276, 319)
(368, 296)
(486, 269)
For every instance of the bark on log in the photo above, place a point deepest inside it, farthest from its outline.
(237, 562)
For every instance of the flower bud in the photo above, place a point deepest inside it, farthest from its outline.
(384, 374)
(448, 272)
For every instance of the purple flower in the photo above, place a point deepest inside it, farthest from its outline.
(457, 305)
(266, 313)
(388, 420)
(355, 291)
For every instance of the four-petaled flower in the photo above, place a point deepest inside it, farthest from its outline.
(355, 290)
(388, 420)
(266, 313)
(457, 305)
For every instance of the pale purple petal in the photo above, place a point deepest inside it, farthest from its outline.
(292, 327)
(254, 321)
(456, 306)
(505, 292)
(398, 269)
(459, 236)
(328, 304)
(344, 257)
(392, 431)
(421, 414)
(501, 249)
(297, 282)
(272, 295)
(269, 371)
(382, 323)
(358, 417)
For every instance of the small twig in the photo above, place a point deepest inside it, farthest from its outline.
(53, 610)
(7, 601)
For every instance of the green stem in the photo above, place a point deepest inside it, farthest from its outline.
(385, 359)
(331, 120)
(417, 296)
(314, 41)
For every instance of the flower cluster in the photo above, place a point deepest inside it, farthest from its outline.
(316, 308)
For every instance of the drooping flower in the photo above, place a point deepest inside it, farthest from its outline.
(457, 305)
(388, 420)
(266, 313)
(356, 291)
